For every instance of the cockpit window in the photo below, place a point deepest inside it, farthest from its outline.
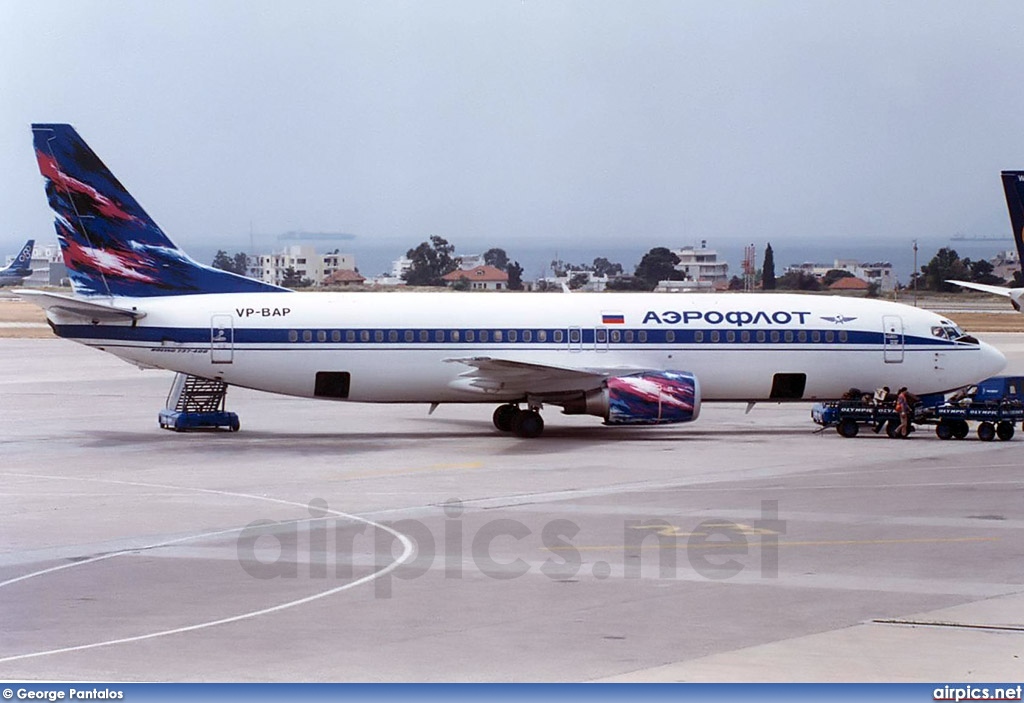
(952, 331)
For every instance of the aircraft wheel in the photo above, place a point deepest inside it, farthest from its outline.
(892, 428)
(1004, 430)
(961, 429)
(504, 417)
(235, 425)
(848, 428)
(944, 430)
(528, 424)
(986, 432)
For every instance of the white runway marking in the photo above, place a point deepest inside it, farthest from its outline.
(407, 552)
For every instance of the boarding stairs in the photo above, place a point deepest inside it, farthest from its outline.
(197, 403)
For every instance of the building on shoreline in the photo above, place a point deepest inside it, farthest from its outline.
(301, 258)
(879, 273)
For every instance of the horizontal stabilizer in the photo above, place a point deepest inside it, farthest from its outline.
(76, 306)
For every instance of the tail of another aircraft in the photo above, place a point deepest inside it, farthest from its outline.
(110, 245)
(22, 264)
(1013, 185)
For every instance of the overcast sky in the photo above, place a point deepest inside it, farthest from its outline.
(529, 125)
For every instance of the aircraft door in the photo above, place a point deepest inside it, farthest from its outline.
(892, 339)
(222, 339)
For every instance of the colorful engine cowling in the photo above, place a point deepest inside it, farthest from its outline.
(653, 398)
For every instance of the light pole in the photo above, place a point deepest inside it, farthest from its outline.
(914, 279)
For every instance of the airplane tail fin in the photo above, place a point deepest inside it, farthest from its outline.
(22, 264)
(1013, 185)
(110, 245)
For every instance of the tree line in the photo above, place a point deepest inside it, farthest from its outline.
(432, 260)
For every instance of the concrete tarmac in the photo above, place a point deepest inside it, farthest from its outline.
(339, 542)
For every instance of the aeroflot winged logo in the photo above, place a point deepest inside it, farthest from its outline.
(838, 319)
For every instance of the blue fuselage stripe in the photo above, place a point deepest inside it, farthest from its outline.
(535, 338)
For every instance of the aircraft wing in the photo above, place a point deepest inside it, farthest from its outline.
(489, 375)
(1014, 294)
(78, 307)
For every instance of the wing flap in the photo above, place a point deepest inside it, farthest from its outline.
(492, 375)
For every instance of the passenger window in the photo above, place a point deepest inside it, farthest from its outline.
(364, 335)
(321, 336)
(527, 335)
(335, 335)
(642, 336)
(424, 336)
(559, 336)
(470, 336)
(714, 335)
(483, 335)
(513, 336)
(455, 335)
(670, 336)
(602, 335)
(801, 336)
(788, 336)
(629, 336)
(745, 336)
(293, 336)
(378, 335)
(730, 336)
(392, 335)
(774, 336)
(575, 336)
(698, 336)
(815, 336)
(843, 336)
(307, 335)
(542, 335)
(439, 336)
(350, 335)
(616, 336)
(830, 337)
(408, 336)
(760, 335)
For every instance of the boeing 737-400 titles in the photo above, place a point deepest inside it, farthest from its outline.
(629, 358)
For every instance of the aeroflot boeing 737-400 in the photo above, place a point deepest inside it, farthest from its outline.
(631, 359)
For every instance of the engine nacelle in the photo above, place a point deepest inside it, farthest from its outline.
(652, 398)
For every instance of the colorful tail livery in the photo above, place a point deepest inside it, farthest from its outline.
(110, 245)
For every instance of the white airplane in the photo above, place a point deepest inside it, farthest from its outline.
(631, 358)
(19, 269)
(1013, 186)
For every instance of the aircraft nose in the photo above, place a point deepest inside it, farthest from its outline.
(992, 361)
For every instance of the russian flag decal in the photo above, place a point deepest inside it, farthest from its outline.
(613, 318)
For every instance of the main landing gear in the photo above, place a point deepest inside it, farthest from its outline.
(523, 423)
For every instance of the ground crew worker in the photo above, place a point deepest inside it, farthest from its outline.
(904, 405)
